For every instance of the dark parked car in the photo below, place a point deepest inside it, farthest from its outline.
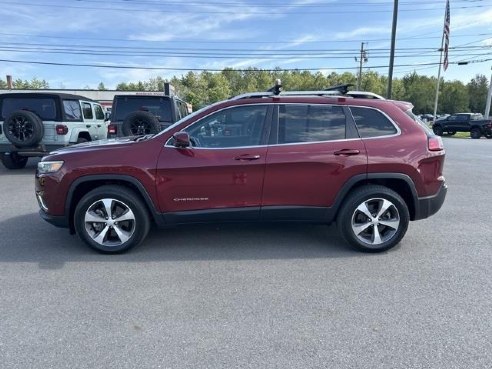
(147, 113)
(464, 122)
(365, 163)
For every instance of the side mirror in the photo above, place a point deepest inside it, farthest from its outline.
(182, 139)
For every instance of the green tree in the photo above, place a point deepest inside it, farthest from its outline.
(33, 84)
(477, 92)
(454, 98)
(101, 87)
(3, 84)
(420, 90)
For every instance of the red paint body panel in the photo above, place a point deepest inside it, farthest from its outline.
(195, 179)
(310, 174)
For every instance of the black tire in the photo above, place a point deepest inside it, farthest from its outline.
(351, 219)
(23, 128)
(102, 231)
(12, 160)
(475, 133)
(451, 133)
(140, 123)
(81, 140)
(488, 134)
(438, 130)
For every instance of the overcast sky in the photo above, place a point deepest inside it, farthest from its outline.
(187, 35)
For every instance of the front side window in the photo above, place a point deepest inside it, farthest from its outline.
(372, 123)
(235, 127)
(310, 123)
(87, 109)
(72, 110)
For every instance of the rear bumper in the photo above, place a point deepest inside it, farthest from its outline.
(40, 150)
(427, 206)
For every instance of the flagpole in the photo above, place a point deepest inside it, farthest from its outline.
(438, 78)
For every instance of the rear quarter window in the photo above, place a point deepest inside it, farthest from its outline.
(372, 123)
(72, 110)
(44, 107)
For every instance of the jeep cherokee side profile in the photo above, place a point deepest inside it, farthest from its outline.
(365, 164)
(33, 124)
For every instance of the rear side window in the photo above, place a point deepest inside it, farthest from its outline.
(44, 107)
(72, 110)
(159, 106)
(372, 123)
(87, 109)
(99, 112)
(310, 123)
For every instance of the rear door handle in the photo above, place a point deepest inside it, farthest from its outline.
(247, 157)
(347, 152)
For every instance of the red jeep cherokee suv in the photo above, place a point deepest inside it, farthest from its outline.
(367, 164)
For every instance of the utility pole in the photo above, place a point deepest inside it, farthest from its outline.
(362, 59)
(392, 55)
(489, 96)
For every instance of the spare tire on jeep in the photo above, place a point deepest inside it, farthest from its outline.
(23, 128)
(140, 123)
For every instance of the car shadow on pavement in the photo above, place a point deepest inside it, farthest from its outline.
(52, 247)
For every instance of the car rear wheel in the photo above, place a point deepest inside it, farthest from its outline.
(373, 219)
(12, 160)
(111, 219)
(438, 130)
(475, 133)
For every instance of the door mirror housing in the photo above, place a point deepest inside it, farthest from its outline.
(182, 139)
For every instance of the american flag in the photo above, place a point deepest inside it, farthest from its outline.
(446, 35)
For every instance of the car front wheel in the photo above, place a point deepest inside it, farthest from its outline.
(111, 219)
(373, 219)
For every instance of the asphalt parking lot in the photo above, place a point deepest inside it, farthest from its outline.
(253, 296)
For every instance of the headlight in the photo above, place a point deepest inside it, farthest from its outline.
(49, 166)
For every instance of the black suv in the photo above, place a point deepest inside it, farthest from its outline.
(35, 123)
(146, 113)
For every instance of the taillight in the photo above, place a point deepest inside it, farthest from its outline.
(434, 143)
(61, 129)
(112, 129)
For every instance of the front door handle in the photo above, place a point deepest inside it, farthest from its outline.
(347, 152)
(247, 157)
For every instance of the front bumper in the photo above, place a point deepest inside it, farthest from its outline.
(427, 206)
(58, 221)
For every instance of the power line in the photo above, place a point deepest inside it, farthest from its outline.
(271, 10)
(218, 70)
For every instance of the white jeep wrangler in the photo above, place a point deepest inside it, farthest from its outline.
(33, 124)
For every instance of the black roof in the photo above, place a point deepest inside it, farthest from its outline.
(47, 94)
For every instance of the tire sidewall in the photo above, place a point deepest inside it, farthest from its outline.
(13, 161)
(344, 220)
(33, 120)
(150, 120)
(475, 133)
(129, 199)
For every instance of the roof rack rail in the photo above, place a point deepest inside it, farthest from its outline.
(343, 88)
(273, 91)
